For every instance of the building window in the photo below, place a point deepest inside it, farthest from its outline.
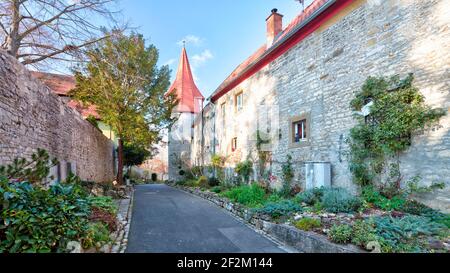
(239, 101)
(222, 110)
(299, 131)
(234, 144)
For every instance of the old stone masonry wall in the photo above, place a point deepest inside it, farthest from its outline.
(32, 117)
(320, 75)
(316, 80)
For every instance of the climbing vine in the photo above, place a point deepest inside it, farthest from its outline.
(397, 112)
(288, 175)
(244, 170)
(263, 156)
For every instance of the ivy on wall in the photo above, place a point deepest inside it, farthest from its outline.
(398, 111)
(263, 155)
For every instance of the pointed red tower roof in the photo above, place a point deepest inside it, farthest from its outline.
(190, 98)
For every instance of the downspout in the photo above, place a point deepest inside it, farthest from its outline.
(203, 137)
(214, 129)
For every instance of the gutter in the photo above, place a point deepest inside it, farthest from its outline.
(277, 45)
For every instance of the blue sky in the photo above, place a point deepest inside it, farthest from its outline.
(220, 34)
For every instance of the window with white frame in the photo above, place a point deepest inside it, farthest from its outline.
(239, 101)
(299, 131)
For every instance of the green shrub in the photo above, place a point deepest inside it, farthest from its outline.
(308, 224)
(280, 208)
(340, 200)
(244, 169)
(213, 181)
(41, 220)
(341, 234)
(97, 235)
(274, 198)
(188, 183)
(440, 218)
(249, 195)
(406, 234)
(196, 171)
(217, 189)
(202, 182)
(363, 233)
(373, 196)
(416, 208)
(310, 197)
(104, 203)
(318, 207)
(34, 171)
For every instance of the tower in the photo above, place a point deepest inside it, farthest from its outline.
(181, 134)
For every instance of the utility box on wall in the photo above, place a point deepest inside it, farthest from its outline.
(318, 174)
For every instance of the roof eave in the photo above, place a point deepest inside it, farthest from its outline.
(218, 93)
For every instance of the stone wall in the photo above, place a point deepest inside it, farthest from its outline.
(318, 77)
(179, 147)
(203, 145)
(32, 117)
(371, 38)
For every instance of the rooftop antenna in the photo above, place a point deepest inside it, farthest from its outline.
(184, 43)
(302, 2)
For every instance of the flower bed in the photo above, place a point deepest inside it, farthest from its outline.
(333, 221)
(40, 218)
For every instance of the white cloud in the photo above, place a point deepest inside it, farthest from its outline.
(191, 39)
(199, 59)
(170, 62)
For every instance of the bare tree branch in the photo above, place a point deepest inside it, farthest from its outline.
(59, 51)
(40, 31)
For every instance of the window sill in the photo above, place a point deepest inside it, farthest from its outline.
(300, 144)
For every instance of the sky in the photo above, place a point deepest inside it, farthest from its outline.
(219, 34)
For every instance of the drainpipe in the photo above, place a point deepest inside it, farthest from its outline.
(214, 128)
(203, 137)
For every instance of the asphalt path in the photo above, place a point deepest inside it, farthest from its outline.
(168, 220)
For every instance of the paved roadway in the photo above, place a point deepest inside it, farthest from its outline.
(167, 220)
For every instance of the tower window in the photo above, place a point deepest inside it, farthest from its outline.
(239, 101)
(234, 144)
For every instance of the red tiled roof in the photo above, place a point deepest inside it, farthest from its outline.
(84, 111)
(314, 6)
(243, 66)
(61, 85)
(184, 85)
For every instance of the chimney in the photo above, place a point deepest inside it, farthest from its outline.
(274, 26)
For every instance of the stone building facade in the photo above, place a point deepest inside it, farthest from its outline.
(32, 116)
(308, 73)
(204, 142)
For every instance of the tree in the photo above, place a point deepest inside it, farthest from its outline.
(34, 31)
(134, 155)
(123, 81)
